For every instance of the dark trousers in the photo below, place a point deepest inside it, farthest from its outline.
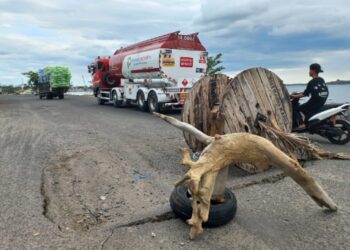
(310, 109)
(307, 110)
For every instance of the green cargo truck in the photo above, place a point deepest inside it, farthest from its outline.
(53, 82)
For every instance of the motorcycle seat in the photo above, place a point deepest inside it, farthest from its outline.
(329, 106)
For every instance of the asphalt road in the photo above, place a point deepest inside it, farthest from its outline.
(76, 175)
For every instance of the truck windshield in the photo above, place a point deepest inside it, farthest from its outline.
(99, 65)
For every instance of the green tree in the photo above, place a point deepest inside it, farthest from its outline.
(10, 89)
(214, 66)
(33, 78)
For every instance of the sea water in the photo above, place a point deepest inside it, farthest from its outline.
(338, 93)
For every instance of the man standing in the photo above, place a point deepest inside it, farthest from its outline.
(318, 90)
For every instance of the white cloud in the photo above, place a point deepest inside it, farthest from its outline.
(66, 32)
(73, 33)
(334, 62)
(278, 17)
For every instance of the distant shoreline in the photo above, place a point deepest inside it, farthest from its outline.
(328, 83)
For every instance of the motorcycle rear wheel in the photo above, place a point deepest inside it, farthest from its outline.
(345, 137)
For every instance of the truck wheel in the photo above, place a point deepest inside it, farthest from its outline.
(153, 104)
(107, 80)
(116, 103)
(99, 100)
(61, 96)
(41, 97)
(96, 91)
(219, 213)
(141, 101)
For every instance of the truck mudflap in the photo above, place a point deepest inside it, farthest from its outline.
(179, 94)
(180, 99)
(174, 105)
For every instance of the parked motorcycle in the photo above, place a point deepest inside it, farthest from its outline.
(329, 122)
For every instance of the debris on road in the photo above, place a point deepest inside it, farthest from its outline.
(224, 150)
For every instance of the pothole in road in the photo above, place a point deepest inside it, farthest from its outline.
(79, 190)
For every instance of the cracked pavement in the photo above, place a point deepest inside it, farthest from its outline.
(75, 175)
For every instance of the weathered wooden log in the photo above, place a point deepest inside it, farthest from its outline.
(201, 110)
(234, 148)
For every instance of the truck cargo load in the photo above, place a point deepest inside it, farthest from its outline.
(173, 57)
(54, 81)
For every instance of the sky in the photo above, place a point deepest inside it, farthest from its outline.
(283, 36)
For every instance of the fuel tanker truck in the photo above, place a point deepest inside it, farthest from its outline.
(154, 74)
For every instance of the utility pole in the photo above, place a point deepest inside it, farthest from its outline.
(82, 76)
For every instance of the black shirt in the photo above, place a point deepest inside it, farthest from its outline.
(318, 90)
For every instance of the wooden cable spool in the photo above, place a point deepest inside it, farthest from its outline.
(251, 92)
(204, 98)
(236, 104)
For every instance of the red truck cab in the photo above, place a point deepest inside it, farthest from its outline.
(101, 77)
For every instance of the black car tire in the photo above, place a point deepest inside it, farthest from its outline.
(219, 213)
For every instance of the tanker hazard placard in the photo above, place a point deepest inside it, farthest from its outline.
(186, 62)
(168, 61)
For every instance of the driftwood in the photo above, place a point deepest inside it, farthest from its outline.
(234, 148)
(201, 110)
